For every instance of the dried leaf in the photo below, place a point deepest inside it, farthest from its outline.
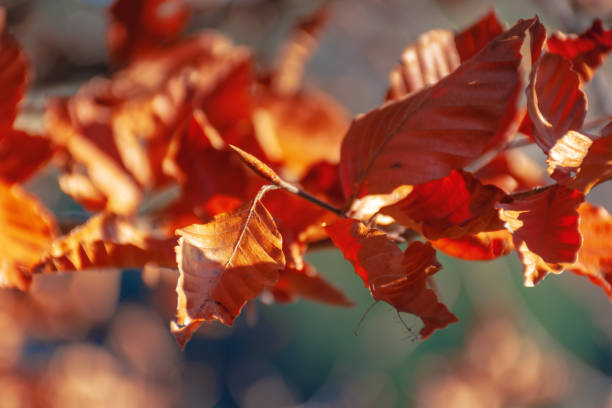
(108, 241)
(26, 233)
(396, 278)
(21, 155)
(223, 264)
(142, 27)
(451, 207)
(474, 38)
(596, 167)
(586, 51)
(544, 228)
(426, 135)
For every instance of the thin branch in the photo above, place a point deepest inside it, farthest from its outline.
(265, 172)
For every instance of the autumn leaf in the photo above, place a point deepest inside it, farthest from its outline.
(27, 232)
(484, 246)
(14, 74)
(595, 256)
(544, 227)
(21, 155)
(108, 241)
(555, 100)
(223, 264)
(426, 135)
(596, 166)
(396, 278)
(141, 27)
(451, 207)
(437, 53)
(586, 51)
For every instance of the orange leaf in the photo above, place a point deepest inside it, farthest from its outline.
(586, 51)
(141, 27)
(426, 135)
(306, 283)
(299, 129)
(108, 241)
(13, 76)
(483, 246)
(26, 233)
(555, 100)
(223, 264)
(396, 278)
(451, 207)
(596, 166)
(595, 256)
(544, 228)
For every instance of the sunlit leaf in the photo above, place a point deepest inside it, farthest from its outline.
(223, 264)
(483, 246)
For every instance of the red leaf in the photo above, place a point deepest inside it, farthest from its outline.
(451, 207)
(474, 38)
(426, 135)
(483, 246)
(223, 264)
(21, 155)
(437, 53)
(13, 76)
(142, 27)
(595, 256)
(544, 228)
(586, 51)
(596, 166)
(396, 278)
(555, 100)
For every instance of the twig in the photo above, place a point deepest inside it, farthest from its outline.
(264, 171)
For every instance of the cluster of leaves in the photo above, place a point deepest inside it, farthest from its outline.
(150, 151)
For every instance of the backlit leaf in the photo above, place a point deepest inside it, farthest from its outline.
(483, 246)
(223, 264)
(426, 135)
(544, 228)
(397, 278)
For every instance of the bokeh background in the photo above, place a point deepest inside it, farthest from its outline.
(101, 338)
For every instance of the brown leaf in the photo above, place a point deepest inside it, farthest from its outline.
(21, 155)
(108, 241)
(511, 170)
(596, 167)
(142, 27)
(223, 264)
(451, 207)
(26, 233)
(426, 135)
(396, 278)
(544, 228)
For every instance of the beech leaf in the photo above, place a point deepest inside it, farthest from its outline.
(396, 278)
(483, 246)
(427, 134)
(544, 227)
(223, 264)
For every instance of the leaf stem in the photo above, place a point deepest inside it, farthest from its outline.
(265, 172)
